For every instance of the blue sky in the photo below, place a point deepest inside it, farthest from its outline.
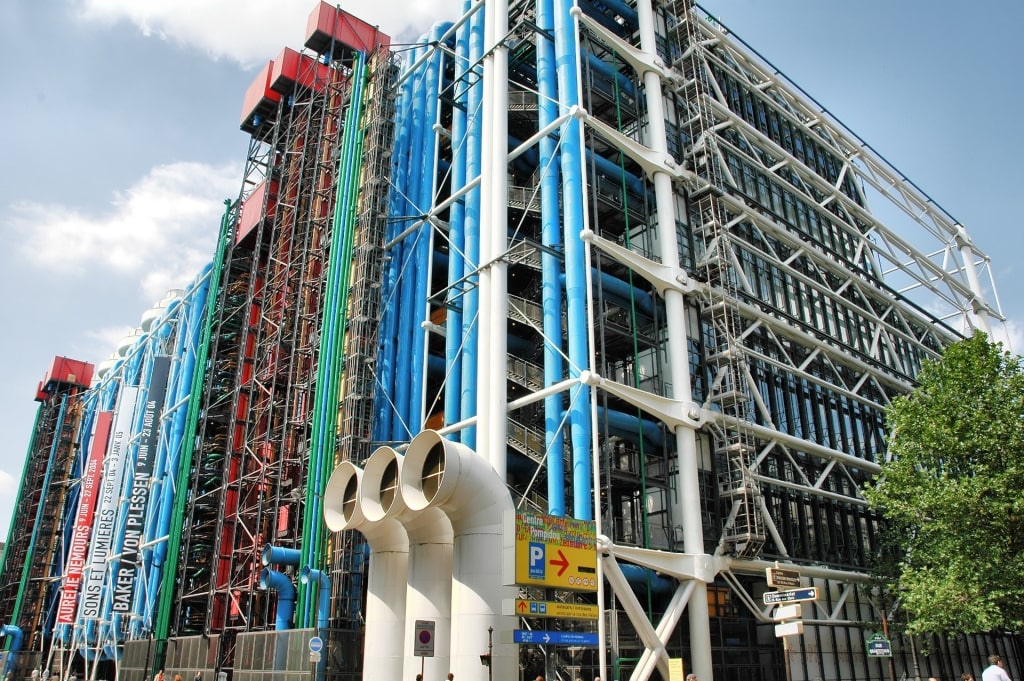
(121, 141)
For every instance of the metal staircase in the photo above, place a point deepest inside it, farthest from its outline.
(743, 534)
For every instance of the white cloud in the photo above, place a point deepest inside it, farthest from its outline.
(161, 230)
(8, 486)
(253, 31)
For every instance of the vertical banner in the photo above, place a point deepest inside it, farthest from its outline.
(138, 494)
(82, 528)
(110, 492)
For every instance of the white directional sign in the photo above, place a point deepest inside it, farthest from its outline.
(787, 612)
(789, 629)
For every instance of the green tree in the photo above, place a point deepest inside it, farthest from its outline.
(952, 491)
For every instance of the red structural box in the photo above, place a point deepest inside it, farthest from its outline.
(64, 371)
(260, 101)
(252, 209)
(293, 70)
(329, 24)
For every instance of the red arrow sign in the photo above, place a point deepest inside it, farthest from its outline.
(523, 606)
(562, 561)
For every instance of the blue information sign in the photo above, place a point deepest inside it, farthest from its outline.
(316, 644)
(555, 638)
(808, 594)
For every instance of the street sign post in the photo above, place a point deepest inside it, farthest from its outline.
(316, 644)
(792, 595)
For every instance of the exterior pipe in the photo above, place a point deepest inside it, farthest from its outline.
(446, 475)
(550, 264)
(321, 457)
(191, 338)
(323, 612)
(279, 555)
(387, 572)
(29, 555)
(188, 440)
(456, 227)
(406, 383)
(17, 637)
(623, 293)
(567, 60)
(428, 595)
(398, 205)
(273, 580)
(628, 14)
(470, 324)
(494, 240)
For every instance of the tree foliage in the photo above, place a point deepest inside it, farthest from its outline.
(953, 491)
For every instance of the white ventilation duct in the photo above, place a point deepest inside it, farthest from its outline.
(386, 572)
(438, 473)
(429, 595)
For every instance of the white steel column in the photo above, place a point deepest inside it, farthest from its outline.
(675, 316)
(491, 394)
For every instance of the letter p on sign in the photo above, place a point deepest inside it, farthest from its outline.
(536, 560)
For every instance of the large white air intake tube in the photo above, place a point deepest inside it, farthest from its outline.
(438, 473)
(386, 574)
(429, 596)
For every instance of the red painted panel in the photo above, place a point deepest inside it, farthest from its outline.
(260, 101)
(327, 22)
(293, 70)
(252, 209)
(64, 370)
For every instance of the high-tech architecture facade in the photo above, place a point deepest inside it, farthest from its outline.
(591, 260)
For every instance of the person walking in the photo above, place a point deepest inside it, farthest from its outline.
(967, 676)
(995, 670)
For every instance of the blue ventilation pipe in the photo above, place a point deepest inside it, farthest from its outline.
(279, 555)
(566, 57)
(642, 579)
(189, 338)
(631, 427)
(623, 294)
(310, 575)
(471, 299)
(385, 399)
(273, 580)
(17, 637)
(457, 229)
(427, 179)
(551, 265)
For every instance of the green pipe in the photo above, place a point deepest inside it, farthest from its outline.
(26, 567)
(20, 503)
(325, 407)
(188, 441)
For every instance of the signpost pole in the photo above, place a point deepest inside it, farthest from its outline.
(885, 632)
(490, 653)
(785, 652)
